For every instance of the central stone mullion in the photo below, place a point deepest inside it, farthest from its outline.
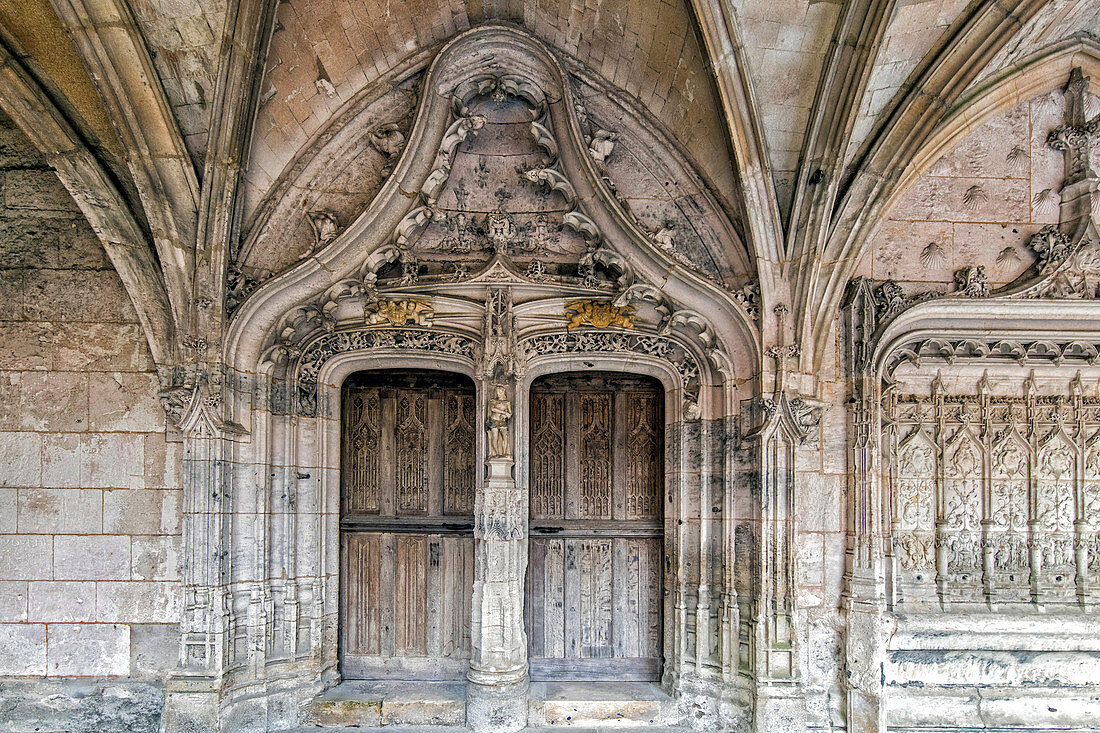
(497, 693)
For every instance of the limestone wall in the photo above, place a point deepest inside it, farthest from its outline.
(90, 497)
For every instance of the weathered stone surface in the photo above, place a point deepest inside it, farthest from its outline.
(23, 650)
(91, 557)
(81, 706)
(141, 511)
(13, 601)
(26, 557)
(88, 649)
(20, 459)
(61, 601)
(71, 511)
(140, 602)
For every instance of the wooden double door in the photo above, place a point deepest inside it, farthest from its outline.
(593, 602)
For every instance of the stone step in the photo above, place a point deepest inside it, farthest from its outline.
(389, 703)
(421, 707)
(600, 705)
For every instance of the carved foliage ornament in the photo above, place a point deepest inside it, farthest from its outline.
(320, 351)
(611, 342)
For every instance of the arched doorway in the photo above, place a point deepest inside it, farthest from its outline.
(594, 582)
(406, 524)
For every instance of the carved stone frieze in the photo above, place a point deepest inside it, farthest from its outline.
(950, 351)
(985, 493)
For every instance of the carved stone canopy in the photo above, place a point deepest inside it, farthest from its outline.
(433, 246)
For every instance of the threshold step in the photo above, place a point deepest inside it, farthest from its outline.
(357, 704)
(601, 706)
(453, 729)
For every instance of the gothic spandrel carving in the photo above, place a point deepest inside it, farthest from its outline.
(317, 352)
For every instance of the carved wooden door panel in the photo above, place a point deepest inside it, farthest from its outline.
(594, 587)
(407, 497)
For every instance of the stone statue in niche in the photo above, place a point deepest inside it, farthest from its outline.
(500, 415)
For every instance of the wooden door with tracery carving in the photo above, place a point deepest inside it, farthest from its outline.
(406, 525)
(594, 584)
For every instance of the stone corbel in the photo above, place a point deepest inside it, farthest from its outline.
(647, 293)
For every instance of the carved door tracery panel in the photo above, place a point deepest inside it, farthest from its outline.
(407, 550)
(594, 585)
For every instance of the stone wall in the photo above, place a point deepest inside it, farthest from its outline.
(90, 497)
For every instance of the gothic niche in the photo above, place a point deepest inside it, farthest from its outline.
(501, 193)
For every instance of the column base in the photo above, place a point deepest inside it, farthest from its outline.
(496, 708)
(191, 705)
(780, 710)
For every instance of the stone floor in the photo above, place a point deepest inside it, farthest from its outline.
(453, 729)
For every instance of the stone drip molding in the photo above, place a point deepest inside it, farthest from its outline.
(1003, 351)
(348, 258)
(314, 356)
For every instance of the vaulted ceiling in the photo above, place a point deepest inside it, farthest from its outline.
(801, 116)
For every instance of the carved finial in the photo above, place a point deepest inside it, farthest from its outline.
(1076, 136)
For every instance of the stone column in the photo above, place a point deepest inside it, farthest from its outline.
(864, 599)
(193, 691)
(782, 426)
(496, 698)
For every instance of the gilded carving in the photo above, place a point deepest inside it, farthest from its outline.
(598, 314)
(409, 312)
